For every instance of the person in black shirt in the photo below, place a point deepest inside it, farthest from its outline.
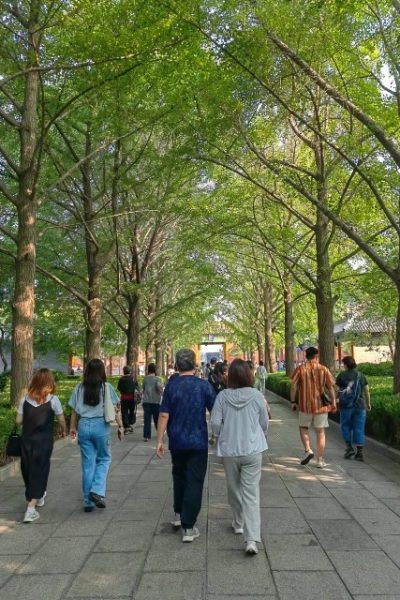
(354, 402)
(128, 388)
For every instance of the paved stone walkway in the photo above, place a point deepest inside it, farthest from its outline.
(328, 534)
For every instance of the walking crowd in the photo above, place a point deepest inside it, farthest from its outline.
(233, 395)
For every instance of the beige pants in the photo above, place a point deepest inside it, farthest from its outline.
(243, 474)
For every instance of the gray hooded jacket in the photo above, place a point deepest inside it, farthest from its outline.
(240, 420)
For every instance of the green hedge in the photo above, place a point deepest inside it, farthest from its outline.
(278, 383)
(384, 369)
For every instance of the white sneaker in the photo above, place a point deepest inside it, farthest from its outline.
(321, 463)
(188, 535)
(31, 515)
(307, 457)
(176, 520)
(40, 502)
(251, 548)
(237, 530)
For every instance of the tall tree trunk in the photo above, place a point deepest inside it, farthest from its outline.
(2, 355)
(323, 295)
(289, 326)
(396, 360)
(268, 333)
(94, 310)
(23, 306)
(132, 346)
(260, 348)
(93, 318)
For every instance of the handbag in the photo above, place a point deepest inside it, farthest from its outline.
(324, 397)
(109, 408)
(13, 447)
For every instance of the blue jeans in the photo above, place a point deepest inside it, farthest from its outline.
(150, 410)
(352, 424)
(94, 442)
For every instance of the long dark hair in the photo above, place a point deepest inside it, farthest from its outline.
(240, 375)
(94, 378)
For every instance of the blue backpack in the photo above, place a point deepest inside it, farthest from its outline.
(349, 396)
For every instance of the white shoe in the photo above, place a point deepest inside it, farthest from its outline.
(237, 530)
(176, 520)
(321, 463)
(40, 502)
(251, 548)
(31, 515)
(188, 535)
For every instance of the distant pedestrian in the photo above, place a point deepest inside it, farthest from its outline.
(152, 391)
(313, 382)
(218, 377)
(36, 415)
(354, 402)
(261, 377)
(240, 420)
(88, 405)
(129, 389)
(183, 413)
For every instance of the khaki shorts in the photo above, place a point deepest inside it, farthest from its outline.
(318, 421)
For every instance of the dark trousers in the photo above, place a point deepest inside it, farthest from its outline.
(189, 469)
(128, 412)
(35, 464)
(150, 410)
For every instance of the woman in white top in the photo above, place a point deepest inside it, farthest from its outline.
(36, 415)
(240, 421)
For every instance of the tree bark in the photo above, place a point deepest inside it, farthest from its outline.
(23, 307)
(260, 348)
(396, 359)
(132, 347)
(93, 318)
(289, 325)
(269, 352)
(2, 355)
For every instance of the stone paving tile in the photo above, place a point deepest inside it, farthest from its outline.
(298, 552)
(377, 520)
(35, 587)
(168, 553)
(324, 585)
(321, 508)
(364, 571)
(24, 537)
(220, 535)
(84, 524)
(306, 487)
(231, 572)
(338, 534)
(108, 575)
(355, 497)
(383, 489)
(187, 585)
(133, 509)
(8, 566)
(55, 556)
(390, 544)
(393, 504)
(282, 520)
(126, 536)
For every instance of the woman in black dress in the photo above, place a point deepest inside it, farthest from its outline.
(36, 415)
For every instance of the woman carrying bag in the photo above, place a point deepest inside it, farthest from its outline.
(93, 402)
(36, 415)
(240, 421)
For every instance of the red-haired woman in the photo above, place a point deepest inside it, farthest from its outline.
(36, 415)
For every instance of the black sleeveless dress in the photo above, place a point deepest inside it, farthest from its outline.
(36, 448)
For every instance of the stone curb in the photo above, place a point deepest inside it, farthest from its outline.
(14, 467)
(383, 449)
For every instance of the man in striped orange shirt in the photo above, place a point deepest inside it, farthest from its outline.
(311, 380)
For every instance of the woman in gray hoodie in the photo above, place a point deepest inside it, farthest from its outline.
(240, 421)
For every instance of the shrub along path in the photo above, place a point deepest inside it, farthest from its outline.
(331, 534)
